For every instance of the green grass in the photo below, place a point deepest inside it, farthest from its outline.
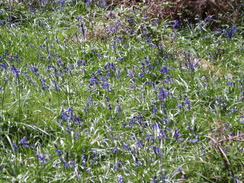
(158, 105)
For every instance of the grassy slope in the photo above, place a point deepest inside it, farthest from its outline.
(147, 107)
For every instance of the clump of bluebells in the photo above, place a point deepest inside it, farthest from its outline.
(144, 104)
(71, 122)
(230, 32)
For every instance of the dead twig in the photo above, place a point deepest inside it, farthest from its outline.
(217, 145)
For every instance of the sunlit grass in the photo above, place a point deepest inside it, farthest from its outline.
(138, 102)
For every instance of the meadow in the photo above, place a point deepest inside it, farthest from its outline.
(97, 93)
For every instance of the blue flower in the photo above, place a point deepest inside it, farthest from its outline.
(131, 73)
(59, 152)
(208, 19)
(83, 30)
(177, 134)
(34, 69)
(188, 102)
(79, 18)
(23, 140)
(83, 158)
(62, 2)
(15, 70)
(231, 31)
(109, 66)
(115, 149)
(176, 23)
(195, 139)
(131, 20)
(64, 116)
(242, 120)
(162, 94)
(155, 110)
(42, 158)
(120, 38)
(93, 81)
(120, 179)
(165, 120)
(156, 150)
(118, 109)
(164, 69)
(141, 74)
(15, 147)
(88, 2)
(26, 145)
(65, 163)
(81, 62)
(125, 146)
(140, 143)
(103, 3)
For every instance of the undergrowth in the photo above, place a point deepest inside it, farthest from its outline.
(101, 92)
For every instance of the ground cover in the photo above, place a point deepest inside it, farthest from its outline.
(97, 94)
